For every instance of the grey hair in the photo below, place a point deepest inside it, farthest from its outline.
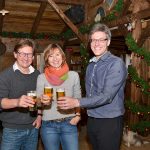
(100, 27)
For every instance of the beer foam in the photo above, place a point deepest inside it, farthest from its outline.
(31, 93)
(48, 87)
(60, 90)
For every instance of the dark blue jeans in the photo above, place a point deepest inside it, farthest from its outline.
(55, 133)
(19, 139)
(105, 133)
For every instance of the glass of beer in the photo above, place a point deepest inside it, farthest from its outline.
(34, 97)
(38, 103)
(49, 92)
(60, 92)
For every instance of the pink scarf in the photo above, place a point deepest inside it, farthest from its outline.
(56, 77)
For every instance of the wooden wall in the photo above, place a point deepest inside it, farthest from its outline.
(6, 60)
(134, 91)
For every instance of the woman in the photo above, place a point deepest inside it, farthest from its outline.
(59, 127)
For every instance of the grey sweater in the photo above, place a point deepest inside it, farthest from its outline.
(72, 89)
(14, 84)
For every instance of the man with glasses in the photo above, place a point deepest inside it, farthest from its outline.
(20, 128)
(105, 81)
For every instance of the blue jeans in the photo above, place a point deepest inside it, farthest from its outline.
(55, 133)
(19, 139)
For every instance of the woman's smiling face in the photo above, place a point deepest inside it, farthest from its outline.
(55, 58)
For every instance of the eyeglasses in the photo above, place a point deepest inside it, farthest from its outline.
(93, 41)
(29, 55)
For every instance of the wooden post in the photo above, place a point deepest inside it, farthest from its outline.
(136, 96)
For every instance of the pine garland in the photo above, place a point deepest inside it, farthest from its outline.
(116, 12)
(136, 108)
(132, 45)
(28, 35)
(145, 88)
(141, 127)
(143, 112)
(84, 56)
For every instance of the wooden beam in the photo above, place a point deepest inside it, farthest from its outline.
(38, 17)
(2, 6)
(97, 5)
(86, 8)
(120, 31)
(69, 2)
(67, 21)
(126, 7)
(145, 34)
(128, 18)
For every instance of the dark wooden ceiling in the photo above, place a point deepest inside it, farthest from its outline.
(31, 17)
(47, 16)
(34, 16)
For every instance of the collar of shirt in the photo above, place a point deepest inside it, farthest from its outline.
(15, 67)
(103, 57)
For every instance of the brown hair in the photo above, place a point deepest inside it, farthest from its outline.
(25, 42)
(50, 49)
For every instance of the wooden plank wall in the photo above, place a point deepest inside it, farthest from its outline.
(6, 60)
(146, 72)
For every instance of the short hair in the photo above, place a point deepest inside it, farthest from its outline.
(24, 42)
(100, 27)
(50, 49)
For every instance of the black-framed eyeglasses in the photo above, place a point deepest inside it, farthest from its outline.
(93, 41)
(29, 55)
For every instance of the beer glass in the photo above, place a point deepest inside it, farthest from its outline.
(49, 92)
(60, 92)
(34, 97)
(38, 103)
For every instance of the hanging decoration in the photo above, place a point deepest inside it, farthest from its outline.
(101, 13)
(4, 12)
(130, 26)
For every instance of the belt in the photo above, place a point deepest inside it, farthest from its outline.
(61, 119)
